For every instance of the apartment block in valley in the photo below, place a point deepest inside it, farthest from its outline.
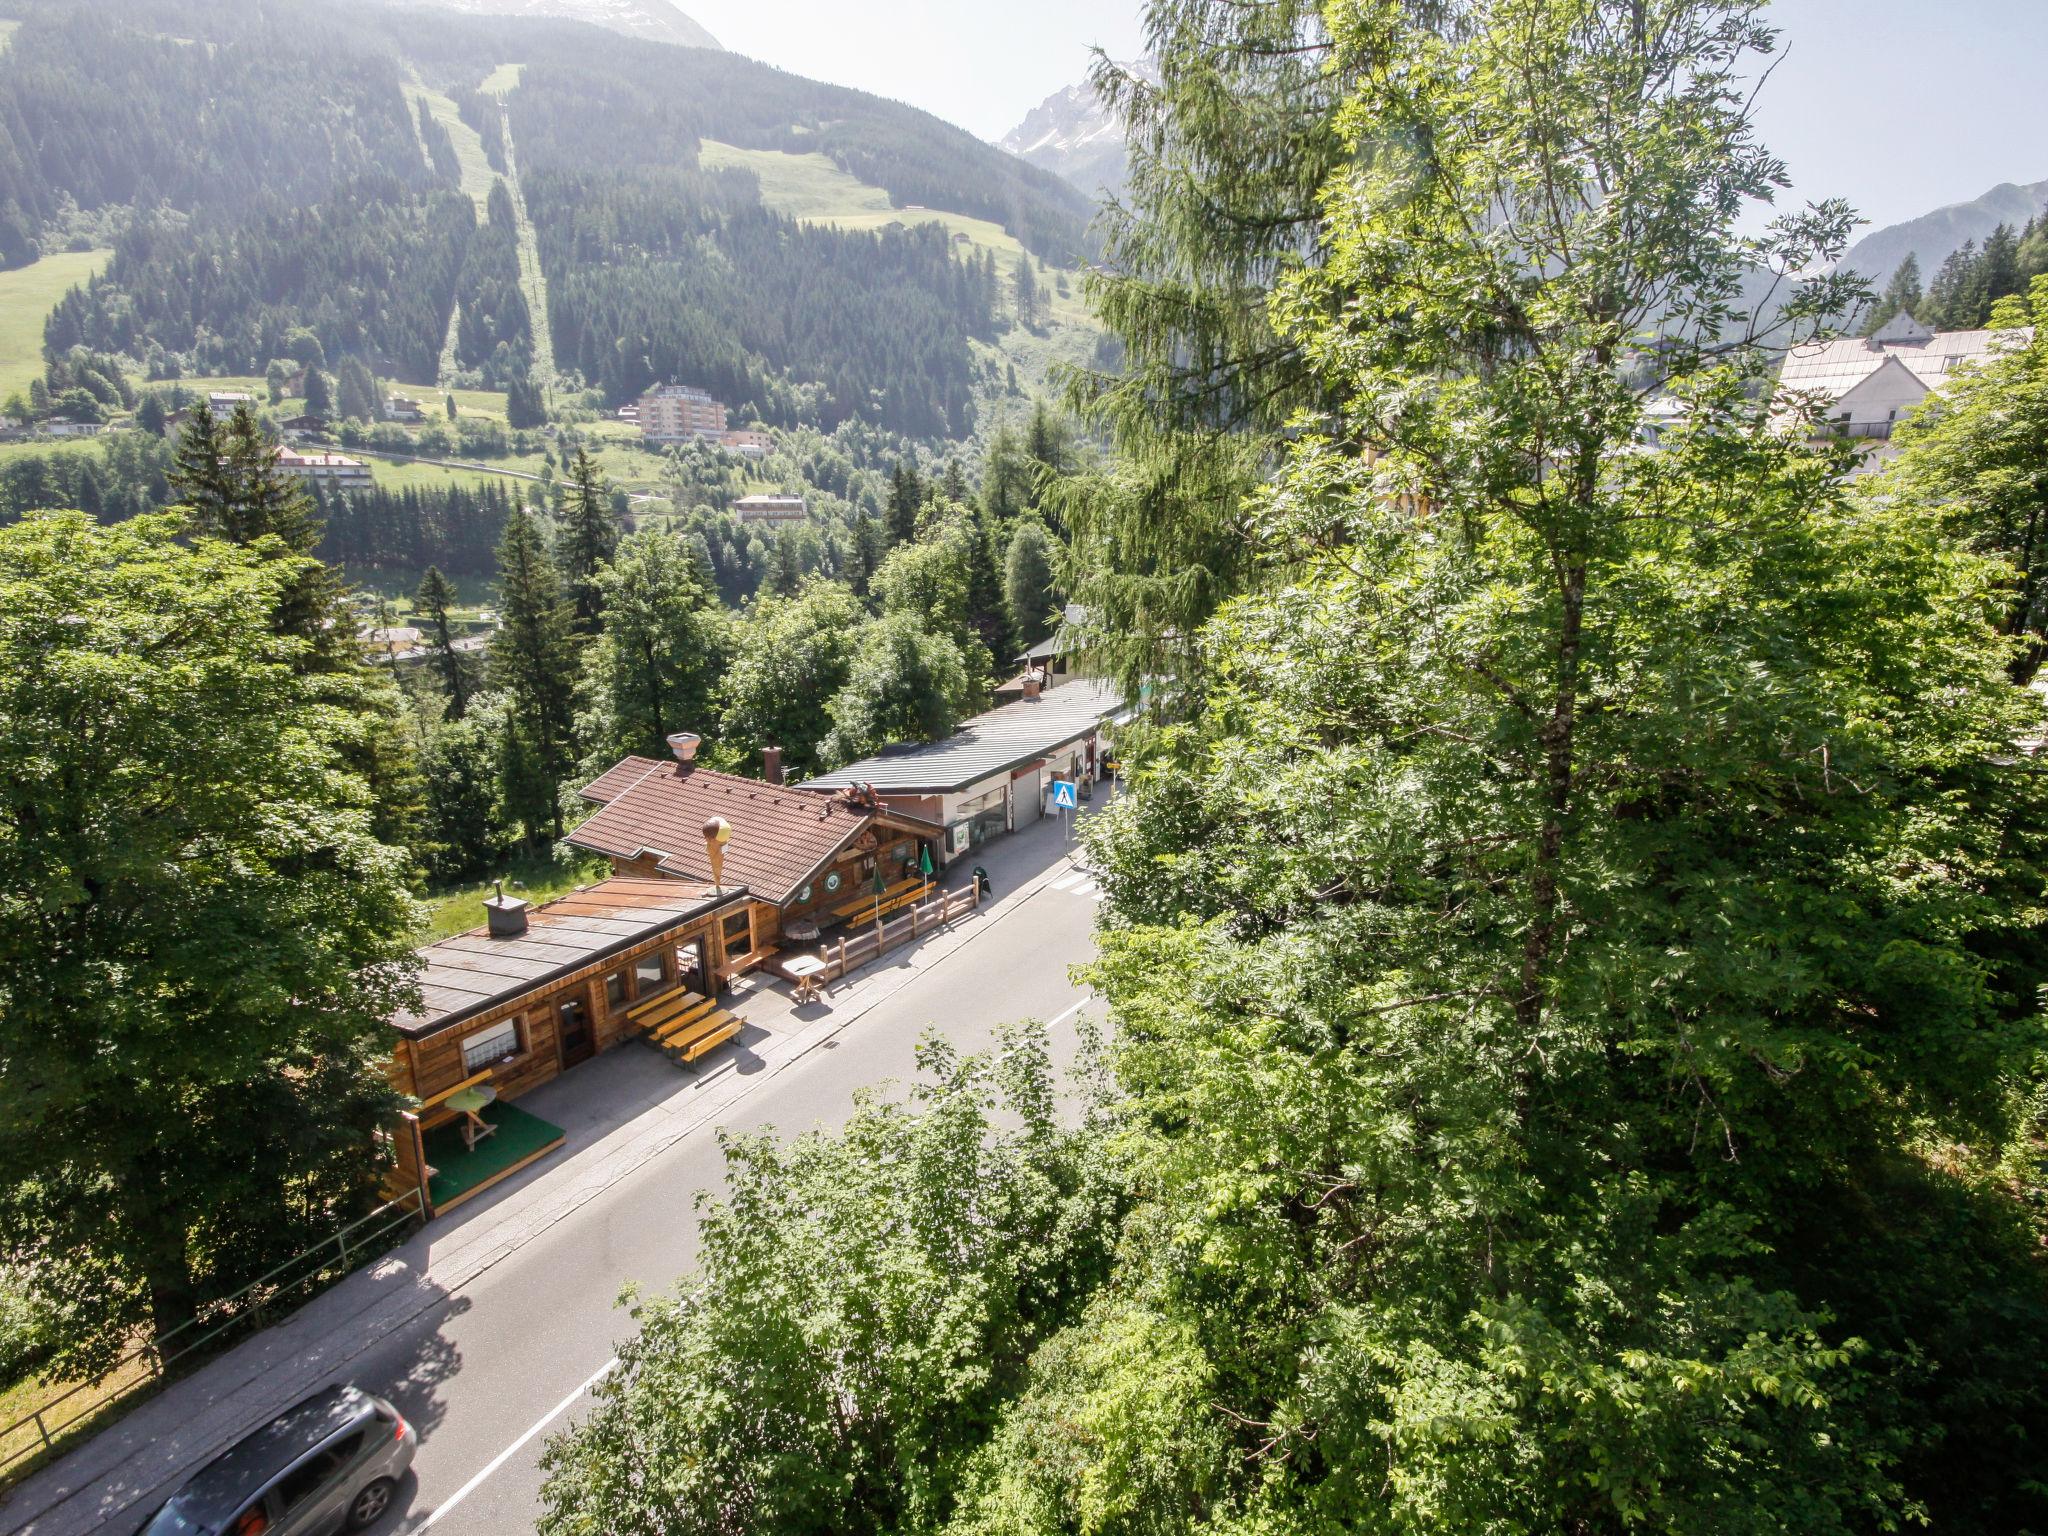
(771, 509)
(327, 468)
(679, 413)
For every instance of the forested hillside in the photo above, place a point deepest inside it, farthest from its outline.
(261, 175)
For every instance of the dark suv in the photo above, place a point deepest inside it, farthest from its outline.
(330, 1463)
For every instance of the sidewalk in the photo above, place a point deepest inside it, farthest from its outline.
(620, 1111)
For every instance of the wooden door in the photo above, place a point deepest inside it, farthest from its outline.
(574, 1035)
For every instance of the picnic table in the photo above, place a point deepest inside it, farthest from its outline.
(805, 970)
(801, 931)
(470, 1104)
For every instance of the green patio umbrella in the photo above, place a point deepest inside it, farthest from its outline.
(881, 885)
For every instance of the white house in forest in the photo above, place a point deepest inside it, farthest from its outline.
(1872, 382)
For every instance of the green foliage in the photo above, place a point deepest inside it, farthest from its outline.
(657, 665)
(906, 684)
(804, 321)
(1029, 588)
(202, 939)
(1229, 155)
(946, 583)
(433, 600)
(1592, 916)
(863, 1303)
(1968, 286)
(588, 538)
(533, 661)
(1979, 451)
(790, 658)
(466, 825)
(1902, 293)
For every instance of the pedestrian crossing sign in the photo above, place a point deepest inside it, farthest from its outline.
(1063, 795)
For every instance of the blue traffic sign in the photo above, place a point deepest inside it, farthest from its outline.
(1063, 795)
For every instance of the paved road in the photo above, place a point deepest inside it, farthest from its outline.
(488, 1374)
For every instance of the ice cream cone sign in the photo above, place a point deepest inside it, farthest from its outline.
(717, 833)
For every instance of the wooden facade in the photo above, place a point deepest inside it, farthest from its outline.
(892, 843)
(570, 1017)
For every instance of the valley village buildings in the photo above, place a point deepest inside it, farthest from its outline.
(1870, 383)
(682, 413)
(998, 771)
(807, 860)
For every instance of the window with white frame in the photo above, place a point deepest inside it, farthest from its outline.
(486, 1046)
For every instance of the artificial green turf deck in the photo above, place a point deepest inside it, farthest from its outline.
(458, 1170)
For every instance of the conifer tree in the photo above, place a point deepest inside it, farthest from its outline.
(523, 405)
(870, 547)
(1027, 293)
(1008, 480)
(589, 537)
(228, 474)
(1901, 294)
(987, 614)
(433, 600)
(1231, 140)
(319, 398)
(533, 660)
(906, 500)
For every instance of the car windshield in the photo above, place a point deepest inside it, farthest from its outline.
(171, 1521)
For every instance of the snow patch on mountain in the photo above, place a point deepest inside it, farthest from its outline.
(1073, 134)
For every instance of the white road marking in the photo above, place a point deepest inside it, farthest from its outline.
(1069, 1013)
(1068, 881)
(449, 1506)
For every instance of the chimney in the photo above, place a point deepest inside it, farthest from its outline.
(771, 764)
(506, 914)
(1033, 685)
(684, 744)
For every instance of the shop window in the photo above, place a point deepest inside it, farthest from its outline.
(488, 1046)
(739, 934)
(650, 973)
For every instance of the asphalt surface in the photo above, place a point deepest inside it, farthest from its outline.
(487, 1376)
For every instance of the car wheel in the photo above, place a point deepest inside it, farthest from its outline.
(371, 1500)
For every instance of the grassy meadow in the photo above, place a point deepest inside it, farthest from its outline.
(27, 295)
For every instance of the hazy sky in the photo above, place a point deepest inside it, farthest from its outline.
(1898, 105)
(980, 63)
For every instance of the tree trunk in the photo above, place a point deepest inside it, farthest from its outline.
(1557, 737)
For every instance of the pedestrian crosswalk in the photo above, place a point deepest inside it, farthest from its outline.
(1079, 882)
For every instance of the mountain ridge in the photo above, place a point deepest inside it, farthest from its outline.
(1073, 134)
(651, 20)
(1935, 235)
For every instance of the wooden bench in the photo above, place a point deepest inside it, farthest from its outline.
(892, 897)
(684, 1026)
(662, 1007)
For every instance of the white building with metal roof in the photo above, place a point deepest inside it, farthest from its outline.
(995, 774)
(1868, 384)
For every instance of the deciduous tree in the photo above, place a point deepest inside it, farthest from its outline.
(906, 684)
(200, 936)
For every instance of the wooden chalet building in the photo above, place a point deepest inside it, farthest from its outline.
(807, 859)
(514, 1004)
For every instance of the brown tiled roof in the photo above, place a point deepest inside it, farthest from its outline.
(600, 790)
(780, 837)
(473, 971)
